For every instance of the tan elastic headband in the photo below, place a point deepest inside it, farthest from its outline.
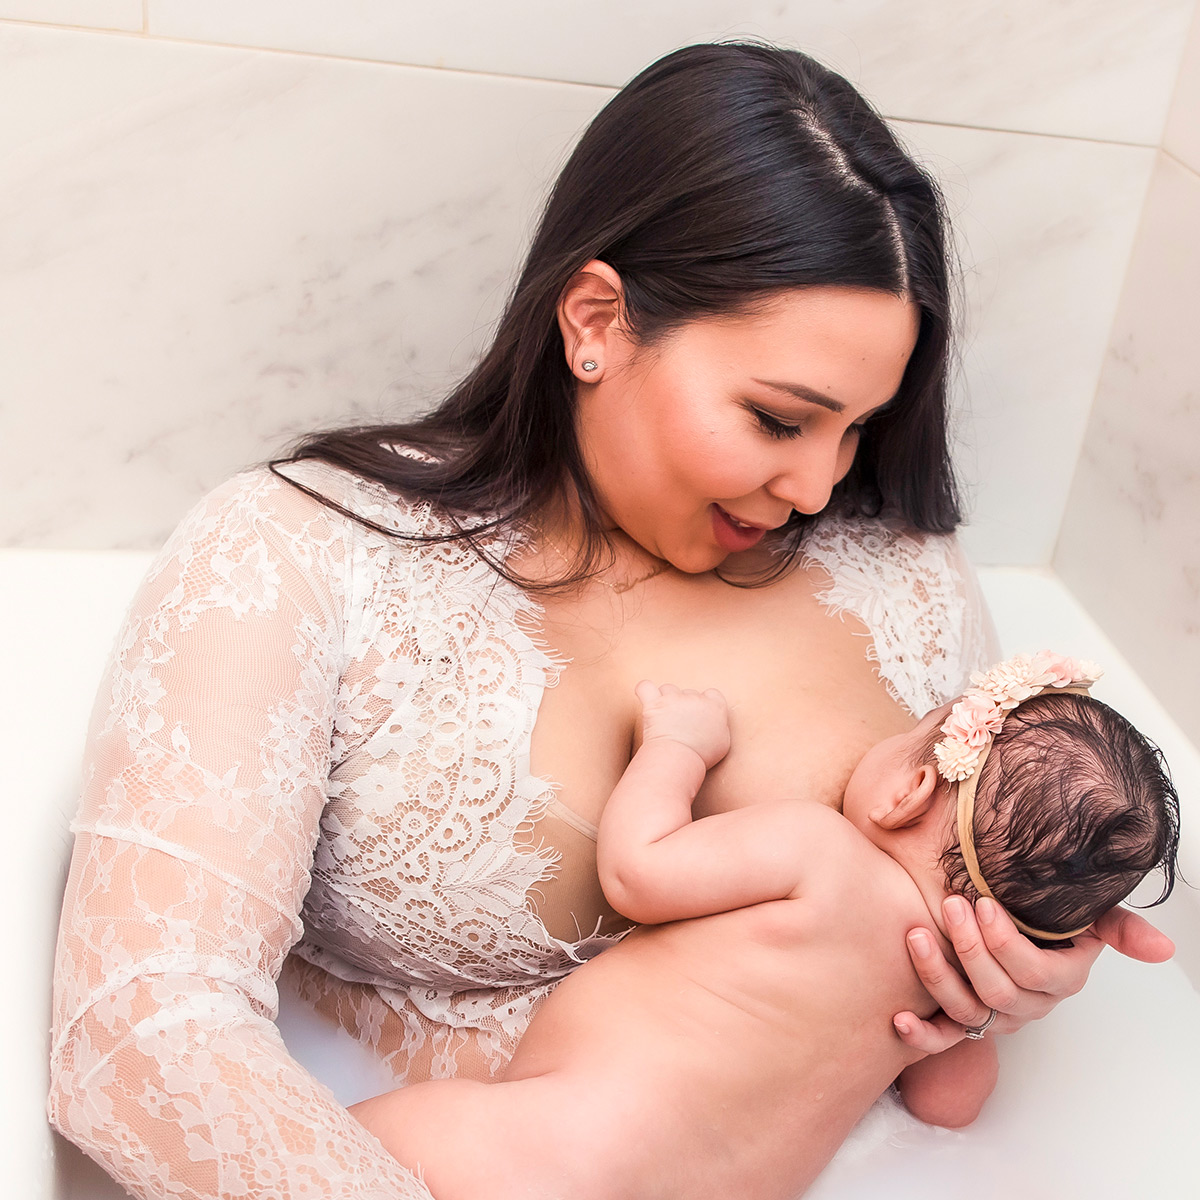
(971, 730)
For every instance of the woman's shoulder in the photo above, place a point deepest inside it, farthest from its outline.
(300, 526)
(354, 498)
(313, 496)
(918, 597)
(874, 544)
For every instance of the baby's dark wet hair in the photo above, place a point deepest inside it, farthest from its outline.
(1074, 808)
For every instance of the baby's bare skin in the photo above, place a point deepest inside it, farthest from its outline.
(703, 1056)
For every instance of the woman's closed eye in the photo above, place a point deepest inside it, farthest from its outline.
(773, 426)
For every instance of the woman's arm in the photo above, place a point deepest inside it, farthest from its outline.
(208, 760)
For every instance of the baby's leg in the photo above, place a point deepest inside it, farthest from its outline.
(467, 1139)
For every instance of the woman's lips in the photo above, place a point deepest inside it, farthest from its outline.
(733, 535)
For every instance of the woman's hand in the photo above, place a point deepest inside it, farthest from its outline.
(1007, 972)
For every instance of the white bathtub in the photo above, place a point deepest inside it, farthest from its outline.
(1101, 1099)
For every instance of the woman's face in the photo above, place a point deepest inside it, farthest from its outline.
(701, 443)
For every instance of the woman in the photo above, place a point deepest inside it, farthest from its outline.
(387, 688)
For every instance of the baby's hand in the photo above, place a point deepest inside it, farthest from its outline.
(699, 720)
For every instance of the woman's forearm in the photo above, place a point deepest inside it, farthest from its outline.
(177, 1086)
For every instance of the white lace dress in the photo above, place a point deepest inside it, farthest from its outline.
(315, 739)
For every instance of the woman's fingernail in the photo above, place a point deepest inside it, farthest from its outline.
(956, 910)
(902, 1026)
(920, 944)
(985, 910)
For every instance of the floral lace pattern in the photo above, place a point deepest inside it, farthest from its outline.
(917, 596)
(315, 739)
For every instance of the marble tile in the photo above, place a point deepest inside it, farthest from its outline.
(205, 251)
(125, 15)
(1084, 68)
(1183, 124)
(1130, 542)
(1045, 227)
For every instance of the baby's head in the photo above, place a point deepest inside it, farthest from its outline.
(1041, 797)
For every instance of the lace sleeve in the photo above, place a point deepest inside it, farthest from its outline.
(205, 782)
(919, 599)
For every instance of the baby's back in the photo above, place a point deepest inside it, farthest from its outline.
(732, 1054)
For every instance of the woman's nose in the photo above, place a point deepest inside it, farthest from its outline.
(811, 473)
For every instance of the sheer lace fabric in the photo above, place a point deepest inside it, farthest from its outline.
(919, 599)
(315, 740)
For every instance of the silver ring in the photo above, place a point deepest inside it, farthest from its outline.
(976, 1032)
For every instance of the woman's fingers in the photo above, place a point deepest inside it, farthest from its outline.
(989, 983)
(952, 994)
(1055, 974)
(1133, 936)
(990, 975)
(1004, 970)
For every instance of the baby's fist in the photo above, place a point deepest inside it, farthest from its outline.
(699, 720)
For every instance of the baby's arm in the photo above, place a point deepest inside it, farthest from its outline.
(655, 864)
(950, 1088)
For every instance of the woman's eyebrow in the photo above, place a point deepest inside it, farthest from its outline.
(805, 393)
(801, 392)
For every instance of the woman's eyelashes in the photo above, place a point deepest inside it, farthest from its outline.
(774, 427)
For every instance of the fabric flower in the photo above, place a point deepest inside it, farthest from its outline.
(979, 715)
(974, 720)
(956, 760)
(1055, 670)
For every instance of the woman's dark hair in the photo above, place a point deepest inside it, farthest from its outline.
(720, 175)
(1074, 807)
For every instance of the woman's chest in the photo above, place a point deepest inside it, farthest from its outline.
(458, 844)
(805, 700)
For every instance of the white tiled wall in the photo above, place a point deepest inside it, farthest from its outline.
(208, 250)
(1130, 544)
(1046, 225)
(88, 14)
(1182, 139)
(1025, 64)
(208, 247)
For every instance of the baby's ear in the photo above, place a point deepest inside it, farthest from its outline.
(911, 800)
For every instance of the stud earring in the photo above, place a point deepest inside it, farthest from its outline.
(589, 365)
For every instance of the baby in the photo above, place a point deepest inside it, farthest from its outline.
(728, 1045)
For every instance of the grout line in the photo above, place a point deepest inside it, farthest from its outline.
(1179, 162)
(26, 23)
(535, 79)
(1062, 137)
(325, 55)
(385, 62)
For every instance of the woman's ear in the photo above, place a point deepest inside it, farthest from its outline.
(590, 319)
(910, 801)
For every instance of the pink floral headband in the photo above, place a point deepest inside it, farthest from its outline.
(973, 724)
